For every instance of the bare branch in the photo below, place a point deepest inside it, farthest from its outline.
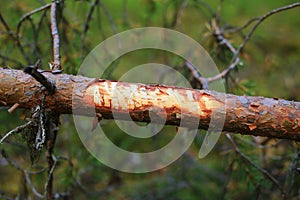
(260, 20)
(180, 12)
(14, 131)
(11, 60)
(232, 30)
(291, 176)
(26, 173)
(207, 7)
(6, 26)
(222, 40)
(114, 29)
(275, 118)
(249, 161)
(28, 15)
(56, 65)
(16, 39)
(112, 24)
(33, 189)
(197, 75)
(235, 60)
(124, 13)
(52, 123)
(52, 162)
(86, 24)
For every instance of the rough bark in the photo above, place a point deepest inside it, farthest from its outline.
(257, 116)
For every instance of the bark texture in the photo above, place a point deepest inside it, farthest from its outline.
(106, 99)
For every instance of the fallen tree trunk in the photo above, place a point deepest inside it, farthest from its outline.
(258, 116)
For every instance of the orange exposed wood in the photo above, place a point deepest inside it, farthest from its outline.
(261, 116)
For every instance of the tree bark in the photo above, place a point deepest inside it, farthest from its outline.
(258, 116)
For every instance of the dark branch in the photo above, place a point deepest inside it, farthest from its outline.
(47, 83)
(15, 38)
(86, 24)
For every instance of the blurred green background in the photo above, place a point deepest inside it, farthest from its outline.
(270, 67)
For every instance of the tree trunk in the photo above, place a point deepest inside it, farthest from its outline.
(259, 116)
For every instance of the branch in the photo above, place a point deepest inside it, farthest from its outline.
(86, 24)
(259, 116)
(220, 36)
(25, 172)
(56, 65)
(15, 38)
(52, 122)
(260, 20)
(14, 131)
(250, 162)
(28, 15)
(47, 83)
(5, 58)
(197, 75)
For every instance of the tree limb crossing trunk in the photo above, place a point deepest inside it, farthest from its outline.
(257, 116)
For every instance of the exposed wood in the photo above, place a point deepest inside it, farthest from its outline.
(261, 116)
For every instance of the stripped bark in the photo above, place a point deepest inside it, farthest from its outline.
(259, 116)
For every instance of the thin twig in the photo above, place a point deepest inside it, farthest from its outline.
(112, 24)
(14, 131)
(11, 60)
(207, 7)
(235, 60)
(248, 160)
(67, 193)
(6, 26)
(34, 44)
(52, 161)
(124, 14)
(38, 29)
(180, 12)
(224, 73)
(114, 28)
(219, 10)
(16, 36)
(40, 22)
(35, 192)
(52, 122)
(26, 173)
(16, 39)
(28, 15)
(197, 75)
(223, 41)
(261, 19)
(292, 172)
(232, 30)
(86, 24)
(11, 162)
